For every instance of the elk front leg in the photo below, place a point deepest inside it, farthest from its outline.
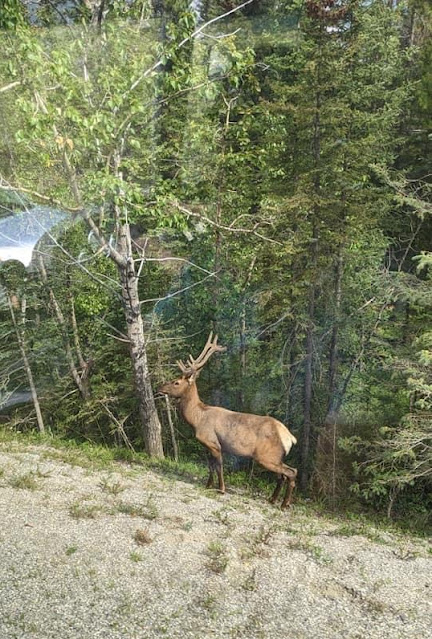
(215, 461)
(212, 468)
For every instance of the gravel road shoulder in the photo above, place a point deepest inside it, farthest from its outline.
(128, 553)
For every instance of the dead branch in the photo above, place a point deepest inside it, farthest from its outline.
(230, 228)
(179, 292)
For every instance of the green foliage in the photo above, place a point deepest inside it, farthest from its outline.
(261, 159)
(12, 15)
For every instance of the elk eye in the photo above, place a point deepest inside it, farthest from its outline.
(176, 383)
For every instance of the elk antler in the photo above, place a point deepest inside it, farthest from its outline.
(194, 366)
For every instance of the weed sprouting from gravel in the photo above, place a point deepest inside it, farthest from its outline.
(111, 487)
(151, 509)
(142, 537)
(80, 510)
(312, 550)
(208, 603)
(134, 510)
(249, 583)
(148, 510)
(71, 550)
(217, 557)
(259, 542)
(223, 516)
(25, 482)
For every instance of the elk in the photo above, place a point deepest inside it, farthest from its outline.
(220, 430)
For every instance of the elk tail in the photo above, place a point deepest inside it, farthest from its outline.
(287, 438)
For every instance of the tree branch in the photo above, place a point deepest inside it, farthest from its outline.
(10, 86)
(185, 41)
(230, 228)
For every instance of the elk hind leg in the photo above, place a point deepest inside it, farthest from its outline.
(278, 488)
(291, 482)
(288, 475)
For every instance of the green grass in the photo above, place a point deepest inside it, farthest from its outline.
(24, 482)
(134, 510)
(148, 510)
(259, 486)
(71, 550)
(111, 487)
(81, 510)
(217, 557)
(312, 550)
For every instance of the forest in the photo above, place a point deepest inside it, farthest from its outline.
(258, 169)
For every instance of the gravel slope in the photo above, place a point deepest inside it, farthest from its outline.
(129, 553)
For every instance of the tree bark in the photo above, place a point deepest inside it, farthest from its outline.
(307, 414)
(243, 331)
(152, 432)
(22, 344)
(316, 149)
(123, 258)
(333, 354)
(325, 467)
(289, 411)
(83, 364)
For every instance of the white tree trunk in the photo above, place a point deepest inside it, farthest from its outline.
(152, 432)
(20, 333)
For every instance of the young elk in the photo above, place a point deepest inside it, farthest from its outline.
(264, 439)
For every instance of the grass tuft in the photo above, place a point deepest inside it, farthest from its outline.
(71, 550)
(217, 557)
(24, 482)
(110, 487)
(142, 537)
(80, 510)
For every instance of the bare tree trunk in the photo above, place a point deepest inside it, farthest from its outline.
(22, 344)
(83, 364)
(307, 424)
(335, 333)
(152, 432)
(293, 371)
(243, 331)
(325, 467)
(216, 393)
(123, 258)
(307, 414)
(81, 385)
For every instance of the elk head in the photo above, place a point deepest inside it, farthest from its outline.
(192, 368)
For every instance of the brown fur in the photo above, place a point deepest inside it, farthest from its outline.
(263, 439)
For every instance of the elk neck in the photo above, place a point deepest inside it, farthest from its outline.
(191, 406)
